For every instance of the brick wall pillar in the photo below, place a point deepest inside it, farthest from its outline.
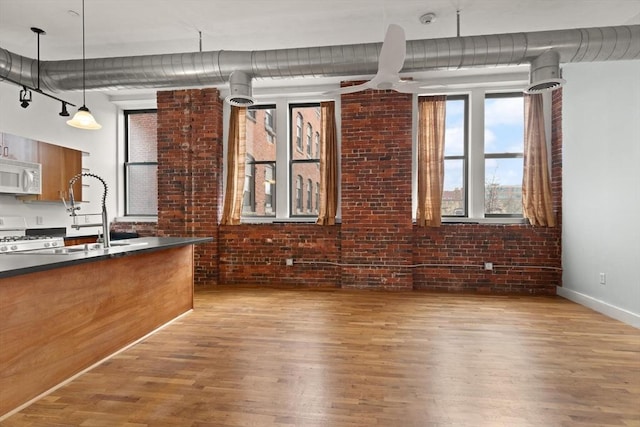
(376, 190)
(190, 171)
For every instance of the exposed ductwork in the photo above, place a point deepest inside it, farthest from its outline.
(201, 69)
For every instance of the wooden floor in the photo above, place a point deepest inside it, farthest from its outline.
(262, 357)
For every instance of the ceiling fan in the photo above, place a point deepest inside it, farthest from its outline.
(390, 62)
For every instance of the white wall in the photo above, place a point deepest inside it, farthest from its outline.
(601, 194)
(40, 121)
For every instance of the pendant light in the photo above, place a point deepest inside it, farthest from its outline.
(83, 118)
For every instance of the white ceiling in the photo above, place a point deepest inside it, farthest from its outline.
(140, 27)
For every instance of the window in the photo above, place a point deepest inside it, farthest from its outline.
(299, 121)
(454, 194)
(305, 166)
(309, 195)
(318, 145)
(249, 193)
(269, 189)
(309, 138)
(299, 193)
(503, 154)
(280, 177)
(259, 187)
(141, 163)
(317, 197)
(483, 156)
(269, 124)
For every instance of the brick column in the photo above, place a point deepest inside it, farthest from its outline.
(190, 171)
(376, 190)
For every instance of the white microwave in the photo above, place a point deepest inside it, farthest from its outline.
(18, 177)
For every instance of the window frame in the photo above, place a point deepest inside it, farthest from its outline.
(294, 212)
(126, 163)
(475, 174)
(503, 155)
(465, 154)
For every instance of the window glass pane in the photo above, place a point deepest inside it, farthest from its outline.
(259, 188)
(503, 146)
(454, 128)
(453, 195)
(305, 164)
(306, 174)
(142, 189)
(142, 138)
(504, 124)
(454, 191)
(140, 168)
(503, 186)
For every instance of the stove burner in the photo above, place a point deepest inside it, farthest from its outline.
(25, 243)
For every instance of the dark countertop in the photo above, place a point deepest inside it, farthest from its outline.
(17, 263)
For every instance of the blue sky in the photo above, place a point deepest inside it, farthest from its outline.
(503, 134)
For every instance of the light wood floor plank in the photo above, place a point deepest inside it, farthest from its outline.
(279, 357)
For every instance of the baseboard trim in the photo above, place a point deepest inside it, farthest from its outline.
(605, 308)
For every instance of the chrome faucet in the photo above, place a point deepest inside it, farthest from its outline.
(73, 208)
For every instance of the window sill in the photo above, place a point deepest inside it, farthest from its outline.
(450, 220)
(136, 219)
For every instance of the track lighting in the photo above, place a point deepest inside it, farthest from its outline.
(25, 97)
(64, 112)
(26, 93)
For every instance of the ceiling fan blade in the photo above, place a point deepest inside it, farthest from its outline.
(393, 51)
(390, 62)
(412, 86)
(350, 89)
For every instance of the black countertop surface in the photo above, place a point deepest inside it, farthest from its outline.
(17, 263)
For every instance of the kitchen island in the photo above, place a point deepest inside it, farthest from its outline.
(63, 312)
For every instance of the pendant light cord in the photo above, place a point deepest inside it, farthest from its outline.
(84, 85)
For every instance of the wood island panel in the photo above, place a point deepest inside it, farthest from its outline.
(56, 323)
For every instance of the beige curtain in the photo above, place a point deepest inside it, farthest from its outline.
(431, 127)
(236, 157)
(328, 165)
(537, 202)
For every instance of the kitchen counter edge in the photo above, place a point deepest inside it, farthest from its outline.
(16, 264)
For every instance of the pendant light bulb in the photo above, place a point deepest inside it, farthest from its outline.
(83, 118)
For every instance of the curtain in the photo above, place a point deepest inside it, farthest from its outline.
(236, 154)
(431, 127)
(537, 203)
(328, 165)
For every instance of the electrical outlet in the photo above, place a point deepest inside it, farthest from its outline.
(603, 279)
(289, 262)
(488, 266)
(39, 220)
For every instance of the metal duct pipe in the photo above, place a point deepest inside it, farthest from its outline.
(240, 89)
(214, 68)
(544, 74)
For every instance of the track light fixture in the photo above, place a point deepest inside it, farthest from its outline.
(26, 94)
(64, 112)
(25, 97)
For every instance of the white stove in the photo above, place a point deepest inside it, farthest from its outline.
(13, 237)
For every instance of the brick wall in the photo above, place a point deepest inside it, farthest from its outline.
(143, 229)
(376, 190)
(376, 224)
(189, 171)
(254, 254)
(520, 255)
